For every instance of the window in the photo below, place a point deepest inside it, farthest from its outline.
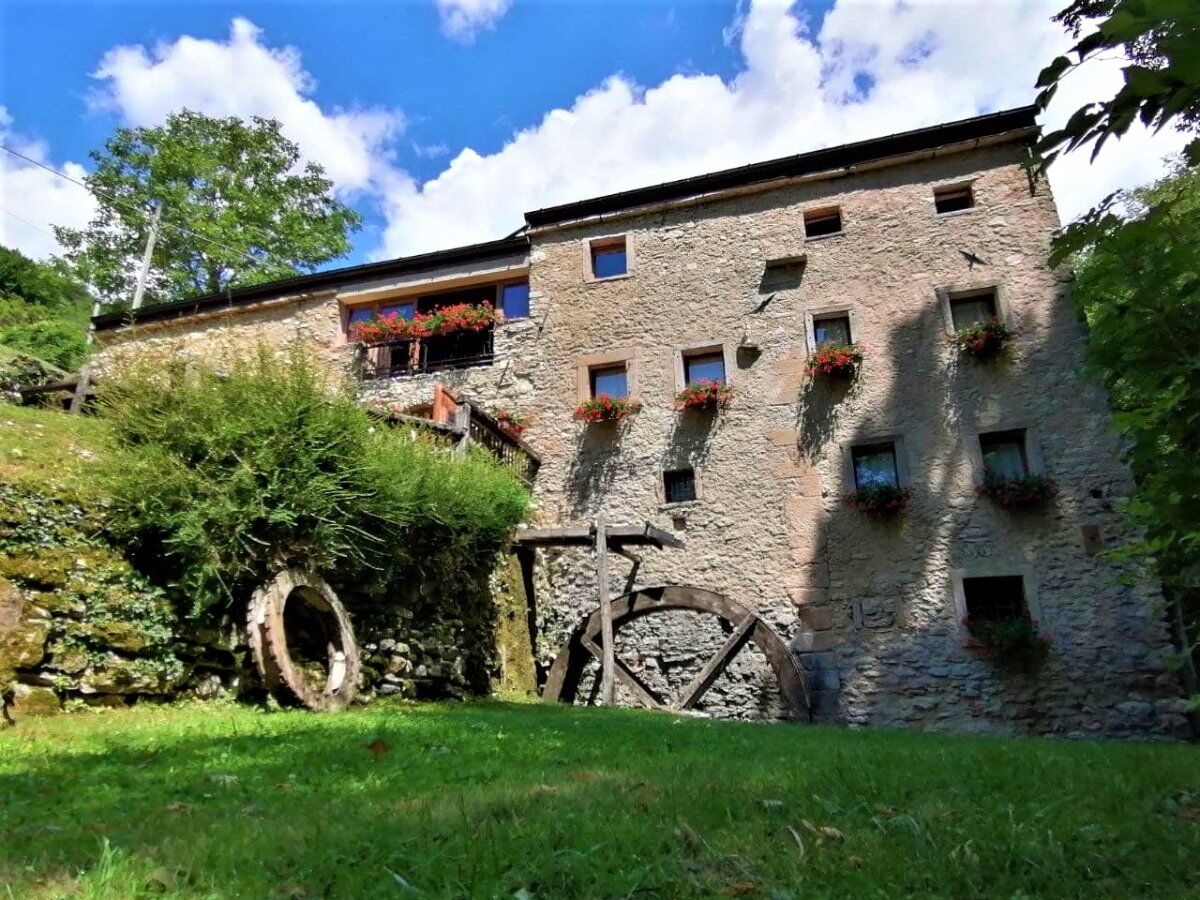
(994, 598)
(953, 199)
(679, 486)
(400, 310)
(820, 222)
(831, 329)
(875, 465)
(514, 300)
(1004, 455)
(705, 366)
(610, 380)
(361, 314)
(608, 258)
(973, 308)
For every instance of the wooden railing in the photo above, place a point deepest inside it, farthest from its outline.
(462, 350)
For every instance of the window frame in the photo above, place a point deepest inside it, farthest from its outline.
(586, 364)
(899, 448)
(965, 290)
(955, 187)
(611, 368)
(814, 315)
(500, 286)
(820, 214)
(602, 243)
(958, 576)
(1035, 463)
(680, 354)
(664, 498)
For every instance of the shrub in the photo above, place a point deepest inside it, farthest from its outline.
(704, 395)
(1016, 493)
(607, 409)
(221, 477)
(1014, 639)
(834, 360)
(985, 339)
(879, 499)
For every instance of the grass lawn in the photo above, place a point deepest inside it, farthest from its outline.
(45, 449)
(503, 800)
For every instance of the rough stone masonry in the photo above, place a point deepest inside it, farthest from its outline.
(874, 608)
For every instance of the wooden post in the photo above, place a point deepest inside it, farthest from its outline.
(81, 388)
(608, 652)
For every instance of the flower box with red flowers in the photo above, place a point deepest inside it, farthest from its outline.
(512, 424)
(1019, 493)
(834, 360)
(607, 409)
(983, 340)
(705, 396)
(447, 320)
(1014, 639)
(879, 500)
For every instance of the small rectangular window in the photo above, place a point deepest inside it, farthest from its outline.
(608, 258)
(679, 486)
(707, 366)
(820, 222)
(1004, 456)
(995, 598)
(514, 300)
(612, 381)
(832, 329)
(361, 314)
(952, 199)
(399, 310)
(973, 308)
(875, 465)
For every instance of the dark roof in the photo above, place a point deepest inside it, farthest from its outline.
(829, 158)
(315, 282)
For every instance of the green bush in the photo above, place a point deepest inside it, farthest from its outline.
(222, 476)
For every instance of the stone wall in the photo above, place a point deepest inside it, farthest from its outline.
(868, 605)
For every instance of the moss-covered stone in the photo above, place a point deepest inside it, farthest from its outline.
(43, 568)
(117, 675)
(30, 701)
(25, 645)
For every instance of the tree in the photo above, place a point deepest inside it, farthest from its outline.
(238, 208)
(43, 310)
(1161, 40)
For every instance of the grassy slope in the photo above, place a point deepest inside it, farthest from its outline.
(489, 800)
(49, 450)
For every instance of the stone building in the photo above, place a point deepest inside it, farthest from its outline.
(892, 245)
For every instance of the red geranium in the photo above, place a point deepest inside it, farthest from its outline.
(985, 339)
(704, 395)
(513, 424)
(879, 499)
(447, 320)
(1015, 493)
(834, 360)
(607, 409)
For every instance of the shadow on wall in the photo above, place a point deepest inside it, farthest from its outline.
(896, 654)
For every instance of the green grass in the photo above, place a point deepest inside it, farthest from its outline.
(495, 800)
(48, 450)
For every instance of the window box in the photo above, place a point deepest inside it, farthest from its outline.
(1020, 492)
(704, 396)
(605, 408)
(998, 622)
(834, 360)
(881, 500)
(511, 423)
(447, 320)
(984, 339)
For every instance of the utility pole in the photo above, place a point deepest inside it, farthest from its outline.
(145, 270)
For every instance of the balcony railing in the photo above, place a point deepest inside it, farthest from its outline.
(461, 350)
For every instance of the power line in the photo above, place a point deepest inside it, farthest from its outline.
(117, 201)
(27, 222)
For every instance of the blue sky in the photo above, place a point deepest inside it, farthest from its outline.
(442, 120)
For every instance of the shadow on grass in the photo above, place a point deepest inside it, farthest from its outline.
(487, 800)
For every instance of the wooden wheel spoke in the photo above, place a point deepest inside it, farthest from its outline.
(716, 665)
(644, 695)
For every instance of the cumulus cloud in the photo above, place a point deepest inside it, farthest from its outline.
(462, 20)
(870, 69)
(34, 199)
(244, 77)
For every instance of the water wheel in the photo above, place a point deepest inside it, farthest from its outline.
(743, 626)
(326, 676)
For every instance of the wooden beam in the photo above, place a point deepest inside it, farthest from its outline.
(607, 694)
(582, 536)
(631, 681)
(714, 667)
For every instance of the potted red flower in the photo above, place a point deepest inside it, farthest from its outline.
(704, 395)
(1011, 640)
(880, 500)
(984, 339)
(1018, 493)
(604, 408)
(511, 423)
(834, 360)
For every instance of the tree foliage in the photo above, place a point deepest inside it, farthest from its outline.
(238, 208)
(221, 476)
(1161, 40)
(43, 310)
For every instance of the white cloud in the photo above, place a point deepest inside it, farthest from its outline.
(34, 199)
(872, 69)
(462, 20)
(244, 77)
